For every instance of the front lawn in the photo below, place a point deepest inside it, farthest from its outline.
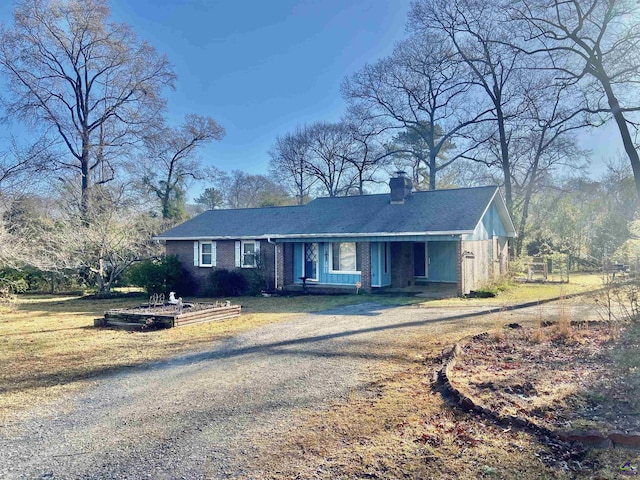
(519, 293)
(48, 344)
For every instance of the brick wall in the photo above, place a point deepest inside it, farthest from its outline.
(402, 267)
(280, 267)
(225, 258)
(287, 259)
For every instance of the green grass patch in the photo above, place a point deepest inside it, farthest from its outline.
(517, 293)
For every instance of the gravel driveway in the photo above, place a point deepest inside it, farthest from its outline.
(196, 415)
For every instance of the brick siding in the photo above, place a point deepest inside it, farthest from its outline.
(402, 265)
(365, 266)
(225, 258)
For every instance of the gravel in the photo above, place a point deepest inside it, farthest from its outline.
(196, 415)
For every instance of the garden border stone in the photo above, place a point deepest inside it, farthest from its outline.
(589, 438)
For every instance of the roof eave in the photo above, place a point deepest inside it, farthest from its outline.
(315, 235)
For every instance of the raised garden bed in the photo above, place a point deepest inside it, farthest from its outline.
(166, 315)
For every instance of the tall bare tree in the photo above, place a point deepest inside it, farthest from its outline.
(89, 81)
(544, 145)
(594, 45)
(423, 89)
(330, 146)
(368, 135)
(288, 159)
(245, 190)
(477, 31)
(171, 155)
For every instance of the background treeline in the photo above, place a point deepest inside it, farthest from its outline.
(477, 93)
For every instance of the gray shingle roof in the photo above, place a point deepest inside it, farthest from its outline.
(439, 211)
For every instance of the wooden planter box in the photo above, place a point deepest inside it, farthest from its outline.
(166, 316)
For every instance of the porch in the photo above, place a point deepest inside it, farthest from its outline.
(429, 264)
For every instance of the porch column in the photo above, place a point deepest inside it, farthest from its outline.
(365, 266)
(459, 268)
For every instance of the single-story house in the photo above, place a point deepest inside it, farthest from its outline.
(457, 236)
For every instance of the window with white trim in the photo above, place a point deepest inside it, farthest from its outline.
(249, 253)
(345, 257)
(207, 254)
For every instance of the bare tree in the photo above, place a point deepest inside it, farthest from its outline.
(423, 89)
(544, 144)
(477, 31)
(89, 81)
(368, 136)
(171, 155)
(594, 45)
(18, 164)
(117, 234)
(330, 146)
(245, 190)
(289, 156)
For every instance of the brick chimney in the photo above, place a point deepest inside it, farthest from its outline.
(400, 186)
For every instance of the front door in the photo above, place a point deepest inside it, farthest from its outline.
(311, 261)
(420, 260)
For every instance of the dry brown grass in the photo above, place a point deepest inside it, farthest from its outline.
(48, 344)
(400, 427)
(563, 330)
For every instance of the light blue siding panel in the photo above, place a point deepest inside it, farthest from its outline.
(442, 262)
(386, 277)
(490, 225)
(332, 278)
(375, 265)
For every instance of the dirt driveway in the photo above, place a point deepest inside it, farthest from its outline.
(199, 415)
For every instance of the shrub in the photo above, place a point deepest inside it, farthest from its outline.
(34, 280)
(161, 275)
(225, 283)
(492, 287)
(517, 267)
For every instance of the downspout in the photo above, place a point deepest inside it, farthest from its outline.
(275, 262)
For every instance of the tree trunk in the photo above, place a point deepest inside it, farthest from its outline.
(627, 141)
(84, 190)
(432, 170)
(506, 166)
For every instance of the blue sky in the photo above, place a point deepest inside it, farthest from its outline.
(260, 68)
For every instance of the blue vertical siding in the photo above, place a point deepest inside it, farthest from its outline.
(378, 277)
(324, 275)
(491, 225)
(334, 278)
(442, 262)
(376, 268)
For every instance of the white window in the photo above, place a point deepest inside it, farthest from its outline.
(345, 257)
(249, 254)
(207, 254)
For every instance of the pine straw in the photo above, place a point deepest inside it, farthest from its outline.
(399, 427)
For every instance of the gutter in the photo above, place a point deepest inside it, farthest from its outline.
(316, 235)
